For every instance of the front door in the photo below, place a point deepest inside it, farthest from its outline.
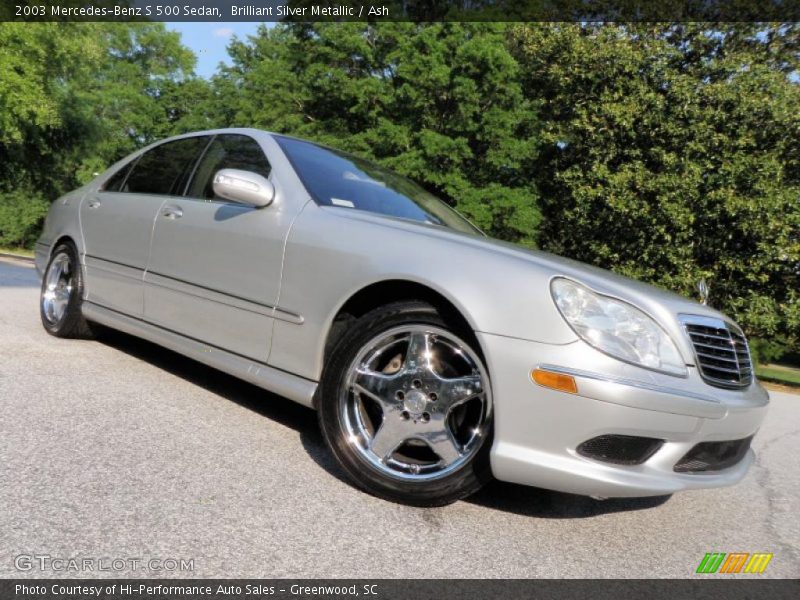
(215, 265)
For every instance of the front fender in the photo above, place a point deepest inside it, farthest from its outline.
(332, 253)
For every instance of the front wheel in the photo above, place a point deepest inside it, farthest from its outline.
(62, 294)
(406, 407)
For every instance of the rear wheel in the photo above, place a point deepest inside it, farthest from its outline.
(406, 407)
(62, 294)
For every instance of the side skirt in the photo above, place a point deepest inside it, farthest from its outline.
(280, 382)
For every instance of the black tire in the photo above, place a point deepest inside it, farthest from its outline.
(448, 488)
(70, 324)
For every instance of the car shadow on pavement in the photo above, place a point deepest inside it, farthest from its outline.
(546, 504)
(271, 406)
(517, 499)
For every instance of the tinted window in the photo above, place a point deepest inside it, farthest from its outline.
(115, 183)
(336, 178)
(227, 152)
(166, 168)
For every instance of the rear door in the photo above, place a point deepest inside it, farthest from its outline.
(215, 265)
(117, 221)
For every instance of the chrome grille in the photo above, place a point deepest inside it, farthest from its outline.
(720, 350)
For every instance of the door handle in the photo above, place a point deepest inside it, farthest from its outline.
(172, 212)
(94, 204)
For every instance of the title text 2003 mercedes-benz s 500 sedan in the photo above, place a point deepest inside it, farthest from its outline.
(436, 358)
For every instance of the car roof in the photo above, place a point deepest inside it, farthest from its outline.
(244, 130)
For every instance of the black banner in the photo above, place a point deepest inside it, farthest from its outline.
(391, 589)
(401, 10)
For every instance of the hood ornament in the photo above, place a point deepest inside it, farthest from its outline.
(702, 289)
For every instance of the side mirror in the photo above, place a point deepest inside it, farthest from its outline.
(245, 187)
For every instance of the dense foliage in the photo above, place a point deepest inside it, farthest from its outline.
(441, 103)
(74, 98)
(672, 153)
(666, 152)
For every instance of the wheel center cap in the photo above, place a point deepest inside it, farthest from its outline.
(415, 402)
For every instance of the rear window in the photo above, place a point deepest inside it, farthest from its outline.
(166, 168)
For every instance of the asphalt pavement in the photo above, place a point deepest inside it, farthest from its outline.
(119, 449)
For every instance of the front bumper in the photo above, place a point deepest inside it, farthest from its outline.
(538, 429)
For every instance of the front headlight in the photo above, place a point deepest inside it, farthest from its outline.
(616, 328)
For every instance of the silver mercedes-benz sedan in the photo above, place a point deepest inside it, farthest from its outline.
(436, 358)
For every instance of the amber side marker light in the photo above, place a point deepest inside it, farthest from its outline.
(556, 381)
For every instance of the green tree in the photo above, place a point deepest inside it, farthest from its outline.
(36, 121)
(36, 98)
(671, 154)
(144, 90)
(76, 97)
(441, 103)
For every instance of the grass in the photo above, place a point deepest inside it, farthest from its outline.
(19, 251)
(779, 374)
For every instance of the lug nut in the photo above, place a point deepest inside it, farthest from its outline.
(405, 415)
(400, 395)
(433, 397)
(426, 417)
(416, 383)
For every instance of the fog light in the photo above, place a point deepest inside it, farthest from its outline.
(713, 456)
(620, 449)
(556, 381)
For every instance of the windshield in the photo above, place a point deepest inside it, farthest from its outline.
(335, 178)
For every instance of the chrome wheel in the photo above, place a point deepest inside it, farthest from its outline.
(57, 289)
(416, 402)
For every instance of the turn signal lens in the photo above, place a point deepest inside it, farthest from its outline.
(556, 381)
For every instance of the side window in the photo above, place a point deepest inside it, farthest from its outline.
(115, 183)
(166, 168)
(228, 151)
